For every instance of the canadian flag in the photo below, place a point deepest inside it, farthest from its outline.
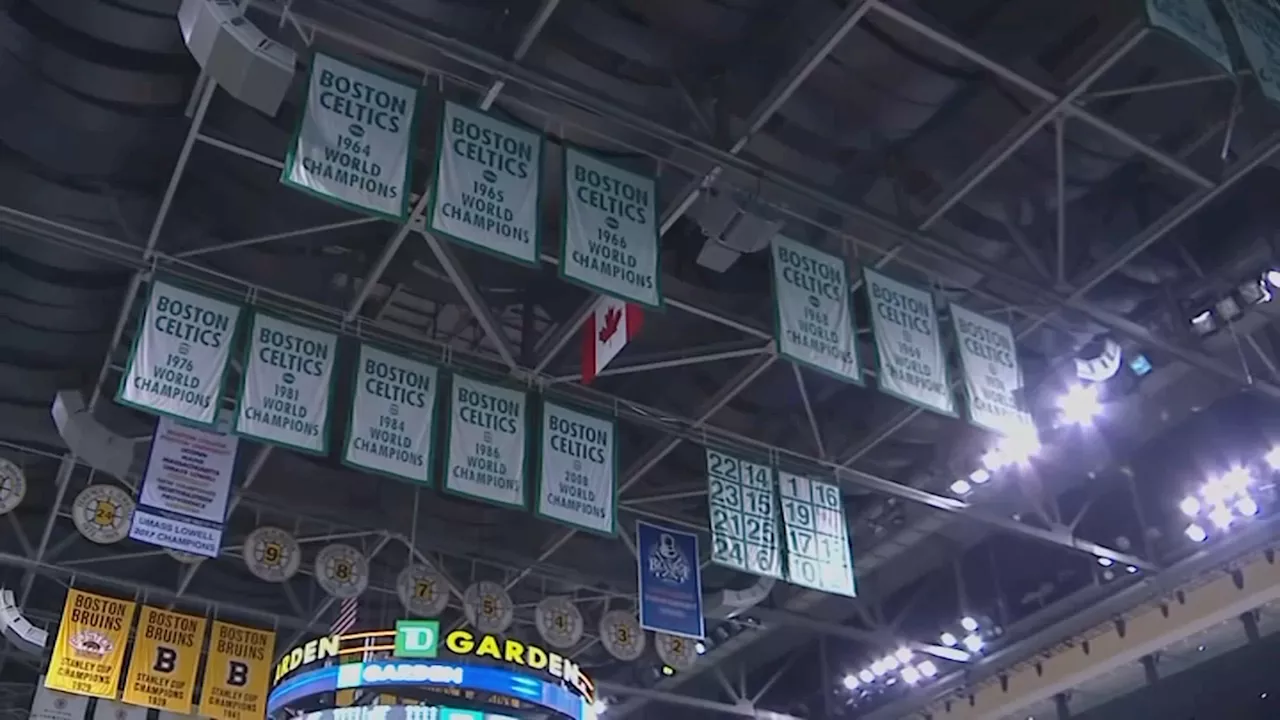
(607, 330)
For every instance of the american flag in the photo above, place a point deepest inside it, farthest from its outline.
(348, 616)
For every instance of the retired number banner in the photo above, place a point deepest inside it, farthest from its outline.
(488, 442)
(88, 654)
(354, 139)
(813, 312)
(393, 416)
(992, 376)
(180, 355)
(609, 232)
(909, 349)
(237, 673)
(578, 475)
(488, 184)
(287, 385)
(166, 656)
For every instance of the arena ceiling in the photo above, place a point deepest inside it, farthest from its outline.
(1058, 165)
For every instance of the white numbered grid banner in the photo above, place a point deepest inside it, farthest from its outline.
(813, 311)
(578, 470)
(355, 139)
(287, 385)
(910, 356)
(186, 486)
(813, 521)
(391, 426)
(180, 354)
(992, 377)
(487, 186)
(488, 442)
(744, 515)
(609, 233)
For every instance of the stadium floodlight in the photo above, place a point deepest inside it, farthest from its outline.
(927, 669)
(1196, 533)
(968, 623)
(910, 675)
(980, 476)
(851, 682)
(1080, 405)
(973, 643)
(948, 639)
(1190, 506)
(961, 487)
(867, 676)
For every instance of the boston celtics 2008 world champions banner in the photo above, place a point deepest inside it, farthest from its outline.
(355, 139)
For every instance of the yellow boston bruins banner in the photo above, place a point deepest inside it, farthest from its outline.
(237, 673)
(89, 652)
(166, 655)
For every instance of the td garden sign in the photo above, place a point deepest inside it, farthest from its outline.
(420, 639)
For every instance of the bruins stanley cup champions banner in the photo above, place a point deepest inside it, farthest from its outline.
(355, 139)
(180, 355)
(288, 379)
(166, 655)
(237, 673)
(487, 185)
(89, 652)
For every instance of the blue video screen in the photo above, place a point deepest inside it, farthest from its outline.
(431, 674)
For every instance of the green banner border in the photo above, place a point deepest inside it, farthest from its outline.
(542, 453)
(448, 450)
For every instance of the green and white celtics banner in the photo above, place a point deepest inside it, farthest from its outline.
(354, 142)
(813, 312)
(578, 475)
(488, 442)
(287, 383)
(909, 352)
(393, 415)
(488, 184)
(1257, 24)
(180, 354)
(1192, 22)
(992, 376)
(609, 238)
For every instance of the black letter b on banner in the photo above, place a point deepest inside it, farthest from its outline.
(166, 660)
(237, 673)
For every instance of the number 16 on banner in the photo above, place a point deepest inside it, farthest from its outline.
(818, 554)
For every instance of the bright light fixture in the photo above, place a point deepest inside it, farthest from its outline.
(1131, 570)
(867, 676)
(1196, 533)
(948, 639)
(1221, 517)
(961, 487)
(1189, 506)
(701, 647)
(1106, 562)
(891, 663)
(600, 706)
(851, 682)
(979, 476)
(910, 675)
(903, 654)
(927, 668)
(968, 623)
(1273, 278)
(1273, 458)
(1247, 506)
(973, 643)
(878, 668)
(1236, 480)
(1080, 405)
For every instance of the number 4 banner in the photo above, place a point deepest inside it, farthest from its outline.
(744, 517)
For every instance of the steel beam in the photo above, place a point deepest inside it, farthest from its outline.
(473, 298)
(693, 359)
(286, 235)
(606, 687)
(996, 156)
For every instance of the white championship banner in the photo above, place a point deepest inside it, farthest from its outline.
(180, 354)
(487, 457)
(355, 139)
(488, 183)
(186, 486)
(578, 471)
(909, 351)
(609, 232)
(992, 376)
(288, 377)
(393, 415)
(817, 535)
(813, 312)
